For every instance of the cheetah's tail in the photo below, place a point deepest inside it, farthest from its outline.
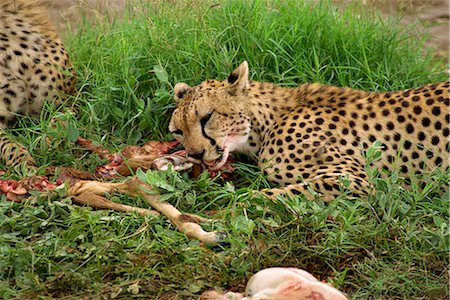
(13, 153)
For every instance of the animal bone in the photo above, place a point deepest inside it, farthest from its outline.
(17, 191)
(186, 223)
(86, 190)
(99, 202)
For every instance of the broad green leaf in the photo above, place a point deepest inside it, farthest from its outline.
(161, 74)
(72, 131)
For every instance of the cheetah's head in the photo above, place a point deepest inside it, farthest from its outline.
(210, 120)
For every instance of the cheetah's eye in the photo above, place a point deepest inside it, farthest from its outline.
(205, 119)
(177, 132)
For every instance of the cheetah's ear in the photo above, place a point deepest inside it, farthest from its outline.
(239, 78)
(180, 91)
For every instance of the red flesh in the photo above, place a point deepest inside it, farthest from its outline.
(130, 158)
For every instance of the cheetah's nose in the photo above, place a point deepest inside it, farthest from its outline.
(197, 155)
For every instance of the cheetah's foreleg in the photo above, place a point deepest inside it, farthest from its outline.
(326, 189)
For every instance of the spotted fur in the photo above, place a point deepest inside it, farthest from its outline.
(34, 67)
(314, 134)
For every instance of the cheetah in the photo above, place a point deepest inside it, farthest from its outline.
(34, 67)
(309, 138)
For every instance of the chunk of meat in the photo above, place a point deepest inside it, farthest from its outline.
(131, 158)
(18, 191)
(152, 155)
(14, 190)
(89, 145)
(281, 283)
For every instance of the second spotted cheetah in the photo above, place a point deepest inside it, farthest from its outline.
(34, 67)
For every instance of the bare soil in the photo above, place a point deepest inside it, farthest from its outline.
(432, 15)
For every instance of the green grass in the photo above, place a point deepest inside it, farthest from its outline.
(393, 244)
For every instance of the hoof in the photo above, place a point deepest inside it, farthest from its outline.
(222, 243)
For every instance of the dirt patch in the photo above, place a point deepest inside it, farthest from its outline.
(67, 14)
(429, 15)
